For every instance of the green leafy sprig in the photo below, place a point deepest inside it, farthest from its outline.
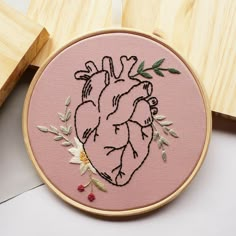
(156, 67)
(62, 134)
(167, 130)
(65, 130)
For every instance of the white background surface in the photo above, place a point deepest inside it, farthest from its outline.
(207, 207)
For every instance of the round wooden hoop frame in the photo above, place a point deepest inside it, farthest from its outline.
(130, 212)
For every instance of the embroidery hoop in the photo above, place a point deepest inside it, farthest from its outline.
(130, 212)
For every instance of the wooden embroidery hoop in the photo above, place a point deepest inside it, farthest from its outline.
(130, 212)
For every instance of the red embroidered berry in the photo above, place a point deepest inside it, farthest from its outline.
(80, 188)
(91, 197)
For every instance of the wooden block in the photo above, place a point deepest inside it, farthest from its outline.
(20, 41)
(140, 14)
(66, 20)
(203, 32)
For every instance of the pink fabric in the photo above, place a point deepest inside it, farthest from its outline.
(179, 99)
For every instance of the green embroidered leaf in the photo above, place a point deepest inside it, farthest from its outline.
(163, 155)
(164, 141)
(173, 71)
(159, 117)
(64, 130)
(53, 129)
(158, 63)
(145, 75)
(67, 102)
(140, 68)
(99, 184)
(42, 128)
(166, 130)
(66, 144)
(158, 72)
(69, 129)
(166, 123)
(68, 115)
(160, 143)
(61, 116)
(58, 138)
(173, 133)
(155, 136)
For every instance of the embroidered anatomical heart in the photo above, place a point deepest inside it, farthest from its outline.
(121, 123)
(115, 118)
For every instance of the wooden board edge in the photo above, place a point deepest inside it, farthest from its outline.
(31, 53)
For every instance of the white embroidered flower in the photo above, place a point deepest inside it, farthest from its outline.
(79, 157)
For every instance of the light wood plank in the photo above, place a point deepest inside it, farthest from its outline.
(66, 20)
(20, 41)
(204, 32)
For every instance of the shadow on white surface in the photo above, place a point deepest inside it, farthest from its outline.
(17, 174)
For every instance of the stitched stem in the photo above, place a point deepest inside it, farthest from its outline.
(60, 134)
(148, 69)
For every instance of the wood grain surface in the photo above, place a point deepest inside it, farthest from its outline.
(204, 32)
(66, 20)
(20, 41)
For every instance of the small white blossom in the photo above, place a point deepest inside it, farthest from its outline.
(79, 157)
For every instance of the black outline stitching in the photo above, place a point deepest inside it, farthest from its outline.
(115, 101)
